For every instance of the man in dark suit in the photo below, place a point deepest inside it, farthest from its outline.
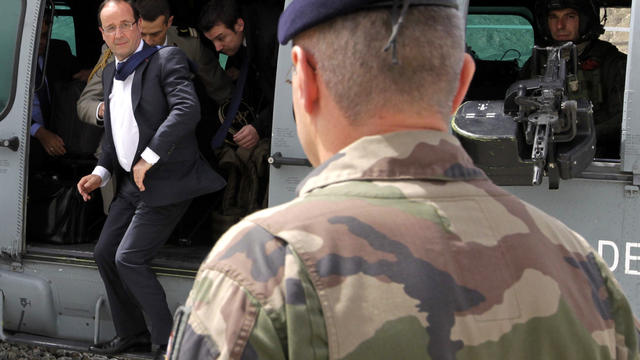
(151, 111)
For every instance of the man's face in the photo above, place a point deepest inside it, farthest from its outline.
(119, 30)
(227, 41)
(155, 32)
(564, 24)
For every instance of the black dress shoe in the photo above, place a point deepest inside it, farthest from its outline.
(138, 342)
(160, 352)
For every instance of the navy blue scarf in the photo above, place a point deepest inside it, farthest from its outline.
(125, 68)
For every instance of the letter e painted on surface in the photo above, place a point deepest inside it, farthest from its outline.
(629, 257)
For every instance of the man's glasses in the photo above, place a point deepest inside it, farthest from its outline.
(125, 26)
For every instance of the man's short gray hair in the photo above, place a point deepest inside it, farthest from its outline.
(362, 78)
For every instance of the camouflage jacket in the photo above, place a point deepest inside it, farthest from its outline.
(399, 248)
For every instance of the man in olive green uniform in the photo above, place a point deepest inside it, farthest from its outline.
(601, 67)
(397, 246)
(157, 30)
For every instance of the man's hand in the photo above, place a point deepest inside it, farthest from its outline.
(233, 73)
(139, 171)
(101, 110)
(51, 142)
(87, 184)
(247, 137)
(82, 75)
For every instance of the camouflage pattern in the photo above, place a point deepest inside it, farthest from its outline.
(398, 247)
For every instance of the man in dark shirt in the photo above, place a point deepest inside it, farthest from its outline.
(243, 36)
(601, 67)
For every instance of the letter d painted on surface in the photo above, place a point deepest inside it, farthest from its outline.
(616, 253)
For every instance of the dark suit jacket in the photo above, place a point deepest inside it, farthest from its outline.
(167, 111)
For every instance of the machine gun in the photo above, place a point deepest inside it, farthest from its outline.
(546, 113)
(536, 130)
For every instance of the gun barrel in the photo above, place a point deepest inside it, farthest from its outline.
(537, 175)
(539, 151)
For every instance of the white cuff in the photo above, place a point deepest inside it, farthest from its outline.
(103, 173)
(98, 111)
(149, 156)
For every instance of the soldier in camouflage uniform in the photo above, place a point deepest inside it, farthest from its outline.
(397, 246)
(601, 66)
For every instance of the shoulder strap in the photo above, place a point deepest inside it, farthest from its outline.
(101, 64)
(232, 110)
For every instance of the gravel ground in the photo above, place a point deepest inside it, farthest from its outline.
(9, 351)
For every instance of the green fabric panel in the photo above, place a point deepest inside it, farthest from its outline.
(403, 338)
(264, 339)
(357, 189)
(201, 290)
(557, 337)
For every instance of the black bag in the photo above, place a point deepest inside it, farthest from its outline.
(58, 214)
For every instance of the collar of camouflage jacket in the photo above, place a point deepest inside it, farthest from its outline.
(407, 155)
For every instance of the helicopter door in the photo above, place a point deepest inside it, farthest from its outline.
(18, 31)
(289, 164)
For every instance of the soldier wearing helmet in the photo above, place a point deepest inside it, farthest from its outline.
(559, 21)
(601, 66)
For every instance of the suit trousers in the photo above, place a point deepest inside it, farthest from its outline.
(130, 238)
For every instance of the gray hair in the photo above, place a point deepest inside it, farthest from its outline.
(362, 78)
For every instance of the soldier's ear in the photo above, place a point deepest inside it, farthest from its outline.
(305, 79)
(466, 74)
(170, 21)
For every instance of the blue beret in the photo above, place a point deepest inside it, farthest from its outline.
(301, 15)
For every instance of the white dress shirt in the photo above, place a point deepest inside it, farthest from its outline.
(124, 127)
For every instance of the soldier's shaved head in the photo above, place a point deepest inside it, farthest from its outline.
(361, 77)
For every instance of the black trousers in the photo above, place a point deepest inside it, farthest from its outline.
(130, 238)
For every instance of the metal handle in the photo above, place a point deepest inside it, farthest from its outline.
(11, 143)
(278, 160)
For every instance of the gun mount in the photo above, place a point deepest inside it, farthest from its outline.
(536, 130)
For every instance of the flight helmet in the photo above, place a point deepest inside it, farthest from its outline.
(588, 10)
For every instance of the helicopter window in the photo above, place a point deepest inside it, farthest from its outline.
(500, 37)
(63, 26)
(9, 29)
